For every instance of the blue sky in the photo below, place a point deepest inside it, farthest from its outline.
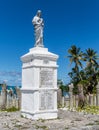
(67, 22)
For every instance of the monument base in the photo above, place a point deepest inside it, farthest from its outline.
(39, 84)
(51, 114)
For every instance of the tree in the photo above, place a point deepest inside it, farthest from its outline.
(91, 69)
(64, 88)
(84, 79)
(76, 56)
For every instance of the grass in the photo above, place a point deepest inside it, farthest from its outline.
(89, 109)
(41, 127)
(78, 119)
(12, 109)
(90, 124)
(18, 126)
(41, 120)
(67, 128)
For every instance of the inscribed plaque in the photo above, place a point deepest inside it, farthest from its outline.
(46, 100)
(46, 77)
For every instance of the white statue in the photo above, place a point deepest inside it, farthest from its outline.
(38, 27)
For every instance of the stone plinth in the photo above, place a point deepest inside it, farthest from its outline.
(4, 96)
(97, 94)
(71, 95)
(39, 84)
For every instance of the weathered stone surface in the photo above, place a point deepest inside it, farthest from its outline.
(46, 77)
(38, 27)
(4, 97)
(97, 95)
(39, 78)
(66, 120)
(39, 84)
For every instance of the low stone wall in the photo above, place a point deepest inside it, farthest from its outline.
(73, 102)
(11, 102)
(9, 99)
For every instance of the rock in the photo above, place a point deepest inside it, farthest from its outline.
(66, 120)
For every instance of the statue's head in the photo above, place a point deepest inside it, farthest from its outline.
(39, 13)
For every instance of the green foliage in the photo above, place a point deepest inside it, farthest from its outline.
(94, 90)
(75, 90)
(89, 109)
(88, 75)
(12, 109)
(64, 88)
(41, 127)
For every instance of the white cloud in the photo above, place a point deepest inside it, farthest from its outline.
(10, 77)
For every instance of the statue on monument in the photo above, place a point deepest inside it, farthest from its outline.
(38, 28)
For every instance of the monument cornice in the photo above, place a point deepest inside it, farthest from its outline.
(39, 66)
(39, 53)
(35, 89)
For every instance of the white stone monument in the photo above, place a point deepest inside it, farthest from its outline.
(39, 78)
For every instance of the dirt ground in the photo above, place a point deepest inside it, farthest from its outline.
(67, 120)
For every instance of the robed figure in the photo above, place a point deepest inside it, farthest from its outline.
(38, 28)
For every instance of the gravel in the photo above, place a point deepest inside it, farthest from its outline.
(67, 120)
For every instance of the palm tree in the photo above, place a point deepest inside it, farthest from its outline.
(76, 55)
(74, 76)
(92, 68)
(85, 79)
(91, 57)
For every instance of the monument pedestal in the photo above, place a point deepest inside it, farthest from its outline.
(39, 84)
